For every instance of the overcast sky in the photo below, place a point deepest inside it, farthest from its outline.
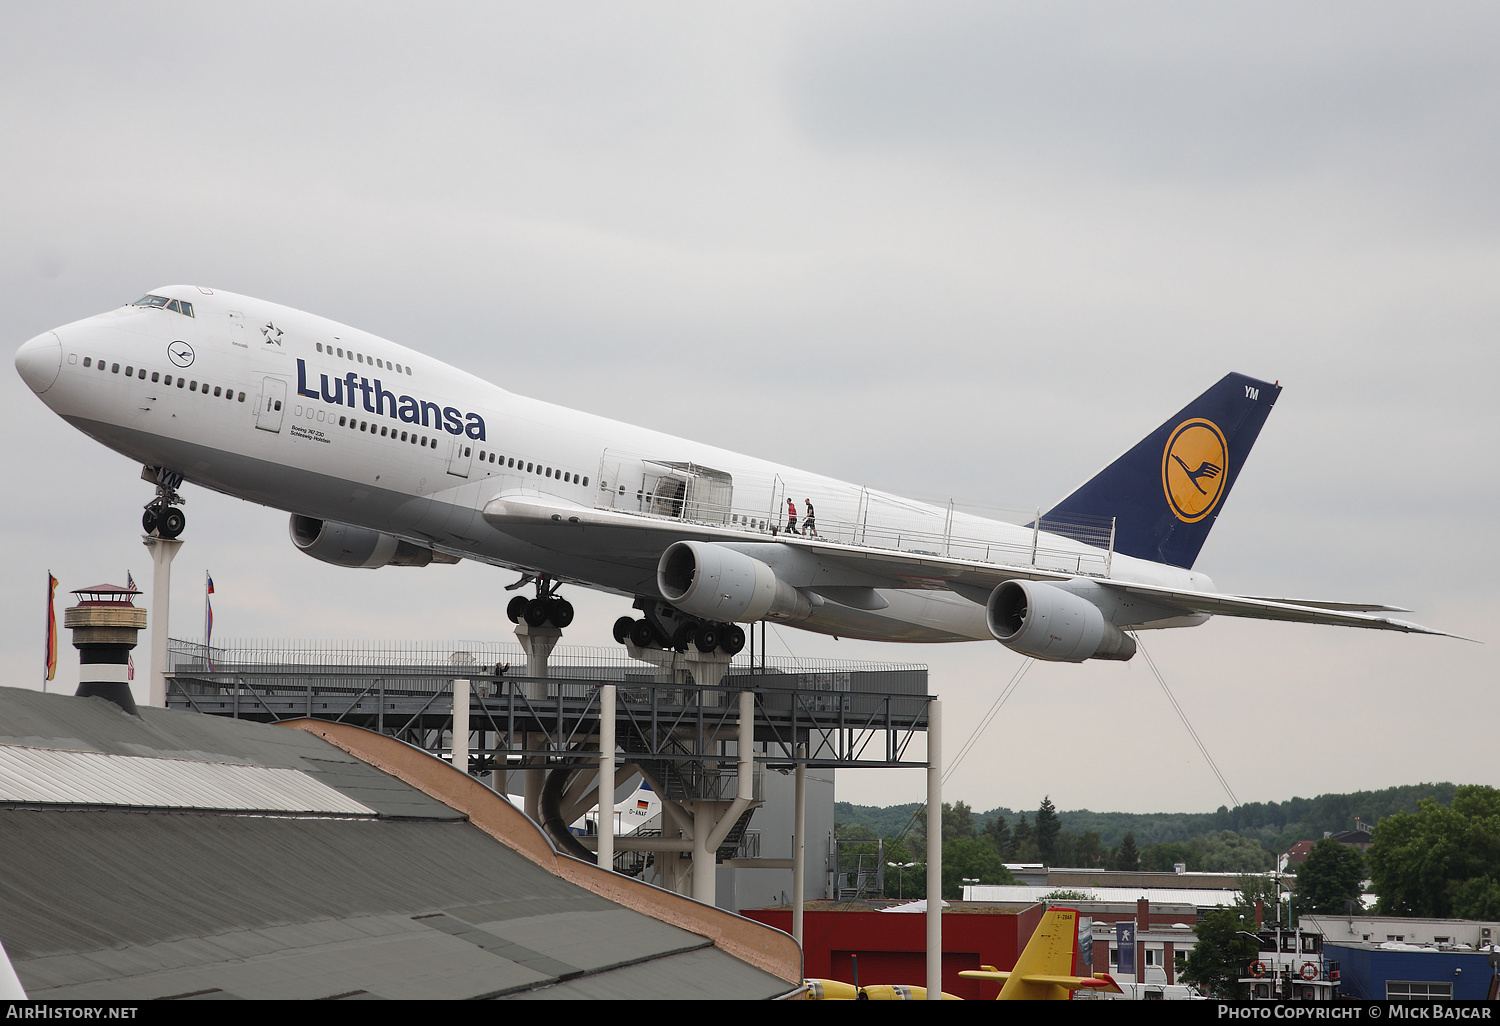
(945, 249)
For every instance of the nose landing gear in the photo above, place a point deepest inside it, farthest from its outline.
(162, 517)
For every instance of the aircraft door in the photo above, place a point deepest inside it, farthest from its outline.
(461, 457)
(272, 404)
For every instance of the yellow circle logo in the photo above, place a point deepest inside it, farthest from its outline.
(1193, 468)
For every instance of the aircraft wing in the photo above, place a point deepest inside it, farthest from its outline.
(1342, 614)
(1099, 981)
(639, 541)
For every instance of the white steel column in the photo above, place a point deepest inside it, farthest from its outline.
(709, 832)
(461, 725)
(163, 551)
(607, 777)
(799, 848)
(537, 643)
(934, 850)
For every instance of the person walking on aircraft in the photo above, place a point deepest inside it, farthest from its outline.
(791, 517)
(810, 522)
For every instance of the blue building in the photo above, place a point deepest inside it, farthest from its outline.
(1380, 972)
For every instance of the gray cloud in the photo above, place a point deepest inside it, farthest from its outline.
(967, 250)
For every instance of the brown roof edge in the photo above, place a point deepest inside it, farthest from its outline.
(762, 946)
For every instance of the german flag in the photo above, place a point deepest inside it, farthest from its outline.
(51, 626)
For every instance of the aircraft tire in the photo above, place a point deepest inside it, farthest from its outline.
(536, 613)
(707, 637)
(170, 522)
(732, 639)
(516, 608)
(560, 612)
(684, 636)
(642, 634)
(623, 627)
(148, 520)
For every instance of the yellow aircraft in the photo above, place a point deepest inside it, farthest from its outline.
(1043, 972)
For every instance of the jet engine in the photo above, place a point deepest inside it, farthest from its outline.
(343, 545)
(1046, 622)
(716, 582)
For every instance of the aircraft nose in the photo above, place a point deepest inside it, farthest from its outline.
(39, 361)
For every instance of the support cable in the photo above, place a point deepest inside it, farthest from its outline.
(974, 737)
(1183, 717)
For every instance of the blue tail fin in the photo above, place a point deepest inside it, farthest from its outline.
(1165, 494)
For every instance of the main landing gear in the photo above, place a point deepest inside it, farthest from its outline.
(163, 518)
(547, 609)
(662, 626)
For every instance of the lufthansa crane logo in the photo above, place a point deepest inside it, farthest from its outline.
(1193, 469)
(180, 353)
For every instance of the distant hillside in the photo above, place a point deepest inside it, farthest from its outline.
(1277, 825)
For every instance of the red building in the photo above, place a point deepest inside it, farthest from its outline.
(892, 946)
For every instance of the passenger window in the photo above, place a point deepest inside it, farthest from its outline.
(319, 345)
(88, 361)
(183, 381)
(242, 397)
(341, 352)
(217, 391)
(585, 482)
(155, 377)
(341, 422)
(114, 369)
(194, 387)
(467, 450)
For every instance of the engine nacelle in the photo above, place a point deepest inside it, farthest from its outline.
(1046, 622)
(343, 545)
(719, 583)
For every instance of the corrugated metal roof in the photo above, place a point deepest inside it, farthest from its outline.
(1159, 895)
(58, 722)
(115, 900)
(48, 777)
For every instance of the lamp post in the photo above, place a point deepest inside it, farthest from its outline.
(900, 868)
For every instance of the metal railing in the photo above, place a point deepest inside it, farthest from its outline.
(448, 660)
(687, 493)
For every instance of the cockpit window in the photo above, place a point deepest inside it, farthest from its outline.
(163, 303)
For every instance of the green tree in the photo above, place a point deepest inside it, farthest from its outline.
(1439, 862)
(1332, 875)
(1229, 852)
(1047, 829)
(1161, 858)
(1025, 848)
(997, 834)
(1219, 958)
(971, 858)
(1126, 858)
(958, 821)
(1264, 890)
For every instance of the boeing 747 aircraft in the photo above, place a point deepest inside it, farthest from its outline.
(384, 456)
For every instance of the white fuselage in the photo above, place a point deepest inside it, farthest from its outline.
(373, 434)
